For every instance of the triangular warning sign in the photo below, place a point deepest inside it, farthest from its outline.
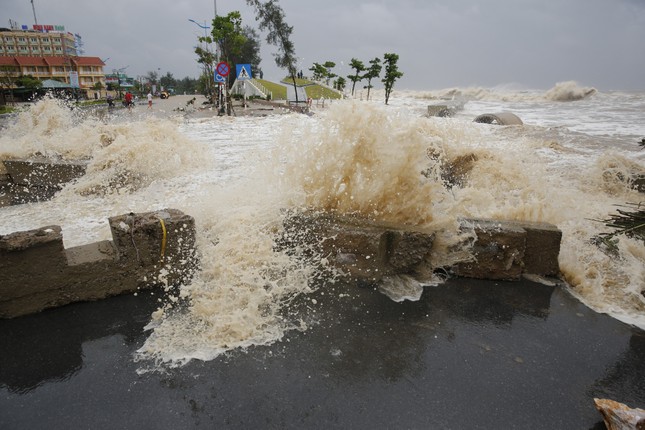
(244, 74)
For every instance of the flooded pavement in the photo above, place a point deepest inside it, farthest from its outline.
(469, 354)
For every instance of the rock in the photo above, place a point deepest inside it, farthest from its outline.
(618, 416)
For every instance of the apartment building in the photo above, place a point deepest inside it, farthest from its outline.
(48, 52)
(45, 40)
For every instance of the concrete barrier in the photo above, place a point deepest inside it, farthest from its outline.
(506, 250)
(157, 248)
(148, 249)
(367, 251)
(440, 111)
(445, 109)
(501, 118)
(363, 250)
(32, 180)
(42, 172)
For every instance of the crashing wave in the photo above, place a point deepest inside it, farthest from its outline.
(568, 91)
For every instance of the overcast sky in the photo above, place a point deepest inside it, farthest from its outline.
(442, 44)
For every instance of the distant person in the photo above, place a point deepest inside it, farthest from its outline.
(149, 100)
(110, 101)
(128, 100)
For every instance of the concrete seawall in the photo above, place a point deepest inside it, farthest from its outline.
(148, 249)
(367, 251)
(157, 248)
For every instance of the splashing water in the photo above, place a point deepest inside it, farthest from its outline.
(236, 177)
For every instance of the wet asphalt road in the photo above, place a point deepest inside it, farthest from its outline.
(469, 354)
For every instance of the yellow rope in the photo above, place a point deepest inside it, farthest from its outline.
(163, 240)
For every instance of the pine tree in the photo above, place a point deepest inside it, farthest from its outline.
(372, 73)
(392, 73)
(358, 67)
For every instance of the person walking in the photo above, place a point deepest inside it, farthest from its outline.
(128, 100)
(149, 101)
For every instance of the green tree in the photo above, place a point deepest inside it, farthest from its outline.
(272, 19)
(187, 85)
(250, 50)
(372, 73)
(318, 72)
(392, 73)
(28, 82)
(98, 86)
(358, 67)
(168, 81)
(228, 34)
(340, 83)
(7, 78)
(329, 65)
(152, 78)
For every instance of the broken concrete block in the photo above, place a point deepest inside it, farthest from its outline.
(501, 253)
(29, 260)
(364, 250)
(43, 173)
(154, 238)
(440, 111)
(36, 272)
(498, 251)
(542, 248)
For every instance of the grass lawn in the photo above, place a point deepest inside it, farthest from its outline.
(279, 91)
(312, 89)
(316, 91)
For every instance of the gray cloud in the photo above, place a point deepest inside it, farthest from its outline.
(441, 44)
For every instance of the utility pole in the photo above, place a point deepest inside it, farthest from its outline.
(34, 9)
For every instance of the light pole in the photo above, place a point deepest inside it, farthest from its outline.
(207, 68)
(205, 27)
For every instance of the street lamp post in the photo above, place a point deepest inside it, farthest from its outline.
(205, 27)
(206, 69)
